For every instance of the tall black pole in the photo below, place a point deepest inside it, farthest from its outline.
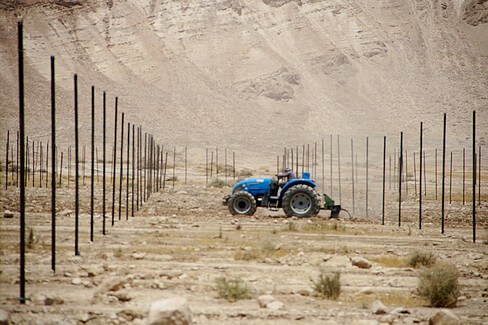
(114, 160)
(420, 174)
(384, 170)
(53, 167)
(165, 168)
(104, 161)
(138, 166)
(47, 164)
(474, 177)
(400, 166)
(145, 169)
(22, 170)
(17, 162)
(121, 164)
(443, 173)
(77, 195)
(92, 180)
(133, 169)
(127, 174)
(206, 166)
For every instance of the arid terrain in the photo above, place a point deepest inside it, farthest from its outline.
(249, 78)
(183, 239)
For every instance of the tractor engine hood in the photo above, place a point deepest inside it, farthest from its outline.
(253, 184)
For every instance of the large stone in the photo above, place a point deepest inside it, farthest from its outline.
(444, 317)
(172, 311)
(46, 300)
(4, 317)
(111, 284)
(268, 301)
(378, 308)
(361, 262)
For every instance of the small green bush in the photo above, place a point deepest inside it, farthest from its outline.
(328, 286)
(232, 289)
(439, 285)
(419, 259)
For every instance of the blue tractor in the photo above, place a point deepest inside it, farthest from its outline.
(297, 197)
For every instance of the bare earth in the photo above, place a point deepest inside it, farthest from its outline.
(183, 239)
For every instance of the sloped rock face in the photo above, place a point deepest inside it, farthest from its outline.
(275, 65)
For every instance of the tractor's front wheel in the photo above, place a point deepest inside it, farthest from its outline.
(301, 201)
(242, 203)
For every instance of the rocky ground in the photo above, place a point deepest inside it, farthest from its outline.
(182, 240)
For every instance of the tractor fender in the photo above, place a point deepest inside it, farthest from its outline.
(294, 182)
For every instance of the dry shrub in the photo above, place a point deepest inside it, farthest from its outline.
(232, 289)
(325, 227)
(418, 259)
(439, 285)
(328, 285)
(31, 239)
(265, 250)
(218, 183)
(390, 261)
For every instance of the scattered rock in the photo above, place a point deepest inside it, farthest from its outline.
(129, 314)
(361, 262)
(76, 281)
(444, 317)
(366, 291)
(172, 311)
(46, 300)
(377, 308)
(303, 292)
(4, 317)
(400, 310)
(268, 301)
(65, 213)
(139, 256)
(122, 295)
(110, 284)
(8, 214)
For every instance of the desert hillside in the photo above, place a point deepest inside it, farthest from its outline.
(253, 73)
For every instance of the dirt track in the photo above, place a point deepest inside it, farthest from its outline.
(182, 240)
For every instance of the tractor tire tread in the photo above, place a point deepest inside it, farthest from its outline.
(251, 211)
(314, 196)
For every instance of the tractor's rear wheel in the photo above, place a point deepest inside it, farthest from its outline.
(242, 203)
(301, 201)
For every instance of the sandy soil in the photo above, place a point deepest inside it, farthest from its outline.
(182, 239)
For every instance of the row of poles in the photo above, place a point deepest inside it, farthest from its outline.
(291, 158)
(37, 162)
(145, 171)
